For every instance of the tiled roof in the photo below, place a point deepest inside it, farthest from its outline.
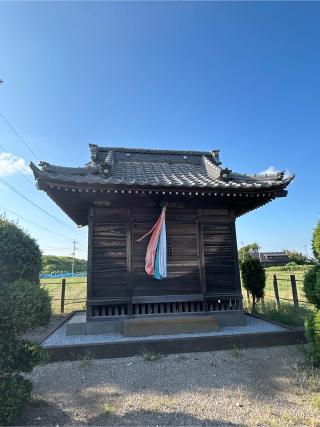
(156, 168)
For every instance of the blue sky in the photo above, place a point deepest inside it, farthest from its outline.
(240, 77)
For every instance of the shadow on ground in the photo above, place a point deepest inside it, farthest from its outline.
(40, 413)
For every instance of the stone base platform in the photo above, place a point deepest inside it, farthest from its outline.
(256, 332)
(78, 325)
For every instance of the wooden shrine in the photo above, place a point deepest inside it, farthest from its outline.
(119, 195)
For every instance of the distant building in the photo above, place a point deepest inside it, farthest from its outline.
(271, 258)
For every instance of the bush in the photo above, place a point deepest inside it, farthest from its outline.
(316, 242)
(17, 355)
(253, 278)
(20, 256)
(311, 285)
(313, 333)
(23, 305)
(15, 392)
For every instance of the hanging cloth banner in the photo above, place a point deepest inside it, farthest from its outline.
(156, 256)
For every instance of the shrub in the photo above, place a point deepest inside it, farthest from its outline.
(311, 285)
(313, 333)
(316, 242)
(17, 355)
(253, 278)
(23, 305)
(20, 256)
(15, 392)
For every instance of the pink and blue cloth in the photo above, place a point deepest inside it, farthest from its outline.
(156, 256)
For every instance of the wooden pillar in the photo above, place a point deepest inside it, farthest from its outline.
(276, 290)
(63, 293)
(202, 267)
(90, 254)
(236, 259)
(129, 259)
(294, 291)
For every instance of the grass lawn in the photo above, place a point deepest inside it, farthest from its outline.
(76, 291)
(284, 284)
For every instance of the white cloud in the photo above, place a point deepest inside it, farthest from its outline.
(273, 170)
(269, 170)
(11, 164)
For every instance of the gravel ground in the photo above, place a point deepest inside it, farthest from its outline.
(250, 387)
(253, 325)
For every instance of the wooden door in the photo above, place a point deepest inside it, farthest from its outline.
(182, 262)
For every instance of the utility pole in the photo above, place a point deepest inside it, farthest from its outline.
(259, 247)
(305, 248)
(73, 256)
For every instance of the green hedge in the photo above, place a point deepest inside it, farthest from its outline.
(313, 333)
(20, 256)
(311, 285)
(23, 305)
(15, 392)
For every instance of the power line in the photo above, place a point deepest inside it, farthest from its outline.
(35, 224)
(33, 203)
(19, 135)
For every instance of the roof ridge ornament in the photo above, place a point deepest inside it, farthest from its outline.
(216, 157)
(93, 152)
(106, 166)
(226, 174)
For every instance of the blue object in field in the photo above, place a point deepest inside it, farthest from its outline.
(62, 275)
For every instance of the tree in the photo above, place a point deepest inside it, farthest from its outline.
(316, 242)
(253, 279)
(61, 264)
(246, 251)
(20, 255)
(297, 257)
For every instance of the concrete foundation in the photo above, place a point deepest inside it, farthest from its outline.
(78, 325)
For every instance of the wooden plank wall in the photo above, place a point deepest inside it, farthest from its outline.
(192, 269)
(109, 254)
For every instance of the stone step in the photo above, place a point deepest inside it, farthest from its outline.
(170, 325)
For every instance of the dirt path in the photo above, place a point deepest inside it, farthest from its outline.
(228, 388)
